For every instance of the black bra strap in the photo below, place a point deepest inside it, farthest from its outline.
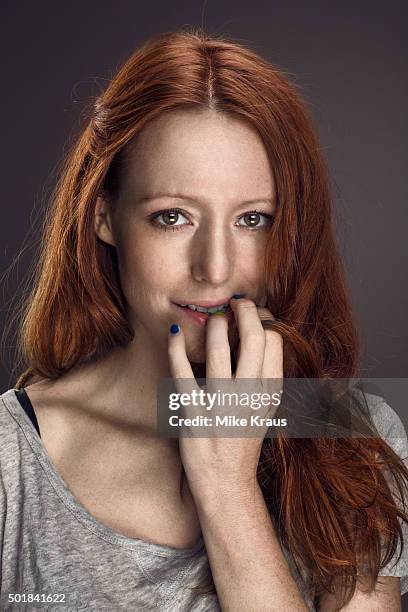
(28, 407)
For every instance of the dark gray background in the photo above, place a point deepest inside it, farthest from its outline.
(349, 58)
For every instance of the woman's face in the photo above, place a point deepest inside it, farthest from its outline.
(214, 169)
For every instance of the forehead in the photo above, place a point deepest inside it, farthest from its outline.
(198, 151)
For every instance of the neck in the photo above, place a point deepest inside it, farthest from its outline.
(122, 385)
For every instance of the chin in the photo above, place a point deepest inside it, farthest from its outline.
(195, 352)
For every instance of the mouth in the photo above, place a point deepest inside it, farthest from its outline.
(200, 314)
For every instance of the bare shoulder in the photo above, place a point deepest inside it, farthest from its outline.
(386, 596)
(62, 415)
(49, 405)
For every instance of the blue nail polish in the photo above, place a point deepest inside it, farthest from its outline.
(237, 296)
(174, 329)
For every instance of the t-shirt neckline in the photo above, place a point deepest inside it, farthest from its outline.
(102, 531)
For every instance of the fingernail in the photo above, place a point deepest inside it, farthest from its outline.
(174, 329)
(237, 296)
(218, 313)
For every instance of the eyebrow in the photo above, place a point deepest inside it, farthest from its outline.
(182, 196)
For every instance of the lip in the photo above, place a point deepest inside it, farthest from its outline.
(201, 318)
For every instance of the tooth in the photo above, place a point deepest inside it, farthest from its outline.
(207, 310)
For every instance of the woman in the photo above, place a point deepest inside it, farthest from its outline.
(198, 181)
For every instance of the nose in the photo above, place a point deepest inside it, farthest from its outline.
(212, 254)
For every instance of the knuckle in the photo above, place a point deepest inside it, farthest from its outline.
(254, 337)
(265, 314)
(242, 304)
(172, 350)
(253, 346)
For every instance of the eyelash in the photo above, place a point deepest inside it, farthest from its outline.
(173, 228)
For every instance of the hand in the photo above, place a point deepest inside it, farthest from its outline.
(228, 464)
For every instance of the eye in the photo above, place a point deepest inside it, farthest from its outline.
(253, 218)
(169, 217)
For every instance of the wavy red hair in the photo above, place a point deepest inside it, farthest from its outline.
(329, 498)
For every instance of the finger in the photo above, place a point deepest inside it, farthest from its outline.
(272, 368)
(252, 338)
(180, 367)
(218, 351)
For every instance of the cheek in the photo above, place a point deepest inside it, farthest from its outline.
(252, 261)
(146, 270)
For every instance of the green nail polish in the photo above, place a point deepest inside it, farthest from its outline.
(219, 313)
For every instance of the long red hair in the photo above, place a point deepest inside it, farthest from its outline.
(330, 499)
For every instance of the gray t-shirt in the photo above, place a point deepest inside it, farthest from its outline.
(50, 545)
